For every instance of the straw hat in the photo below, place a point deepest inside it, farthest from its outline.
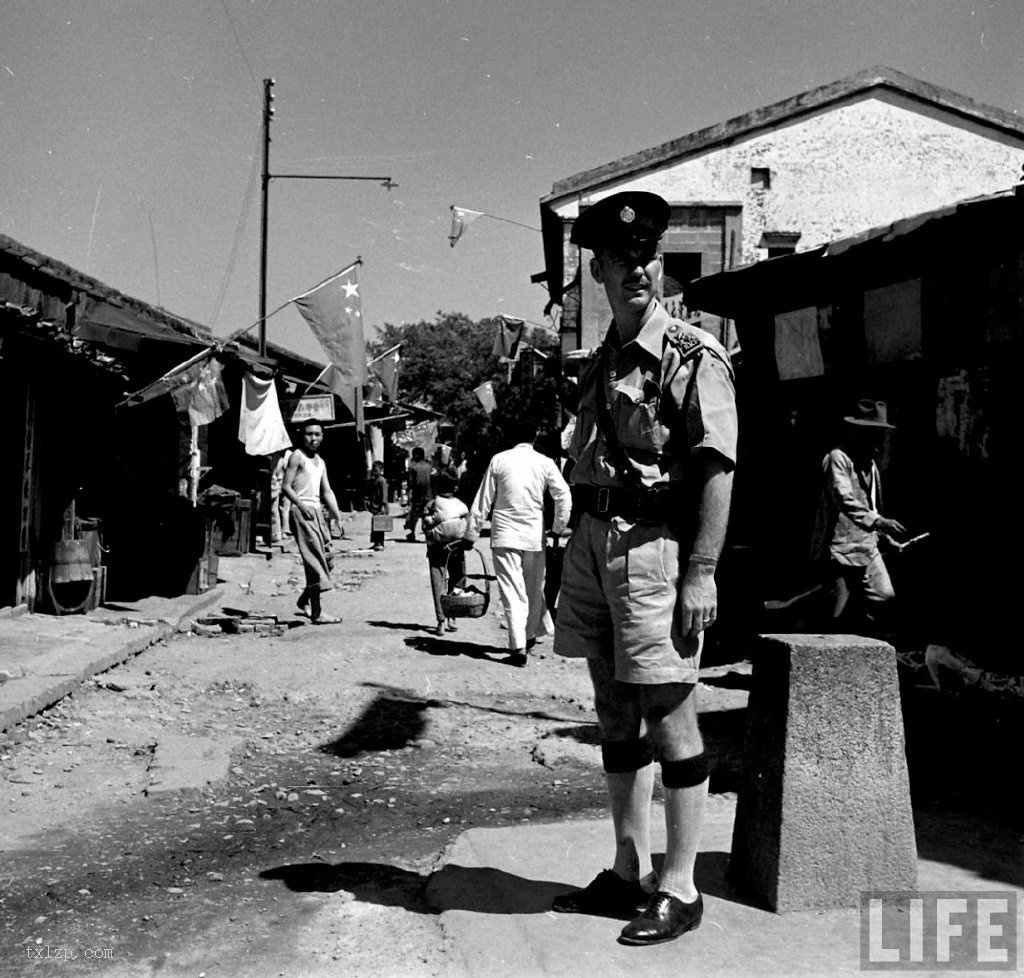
(870, 413)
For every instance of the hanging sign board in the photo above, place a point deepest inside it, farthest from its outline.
(319, 407)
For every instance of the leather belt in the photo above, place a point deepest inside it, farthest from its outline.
(640, 505)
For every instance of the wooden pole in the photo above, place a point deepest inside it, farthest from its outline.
(268, 112)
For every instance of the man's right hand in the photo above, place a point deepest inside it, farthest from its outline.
(892, 528)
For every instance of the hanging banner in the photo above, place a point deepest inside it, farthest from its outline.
(797, 348)
(506, 340)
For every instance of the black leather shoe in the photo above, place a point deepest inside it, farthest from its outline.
(664, 919)
(607, 895)
(518, 659)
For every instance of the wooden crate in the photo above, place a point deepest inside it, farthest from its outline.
(204, 574)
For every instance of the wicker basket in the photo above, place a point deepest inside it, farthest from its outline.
(469, 605)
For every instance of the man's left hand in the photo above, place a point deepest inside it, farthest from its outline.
(698, 600)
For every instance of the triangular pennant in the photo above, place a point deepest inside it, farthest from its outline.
(461, 219)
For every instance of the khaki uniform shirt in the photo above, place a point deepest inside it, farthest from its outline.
(671, 394)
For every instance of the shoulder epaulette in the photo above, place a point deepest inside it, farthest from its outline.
(687, 339)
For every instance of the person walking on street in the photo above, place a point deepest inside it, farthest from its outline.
(377, 501)
(654, 446)
(849, 523)
(308, 489)
(444, 524)
(421, 474)
(280, 504)
(511, 495)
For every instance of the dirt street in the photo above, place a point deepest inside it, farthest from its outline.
(353, 755)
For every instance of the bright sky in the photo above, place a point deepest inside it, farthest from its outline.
(130, 149)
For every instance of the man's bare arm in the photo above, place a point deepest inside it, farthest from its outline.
(698, 592)
(327, 495)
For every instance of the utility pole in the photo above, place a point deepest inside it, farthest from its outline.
(268, 114)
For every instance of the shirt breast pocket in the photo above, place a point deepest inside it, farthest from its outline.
(638, 421)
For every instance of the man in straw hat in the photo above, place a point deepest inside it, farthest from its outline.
(654, 447)
(849, 522)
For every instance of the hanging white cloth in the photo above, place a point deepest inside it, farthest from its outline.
(260, 425)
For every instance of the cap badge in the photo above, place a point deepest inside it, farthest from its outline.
(627, 215)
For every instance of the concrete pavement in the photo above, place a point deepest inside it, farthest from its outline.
(492, 887)
(495, 886)
(43, 658)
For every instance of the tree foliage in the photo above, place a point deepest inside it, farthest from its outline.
(443, 362)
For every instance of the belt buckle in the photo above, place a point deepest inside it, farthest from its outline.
(603, 499)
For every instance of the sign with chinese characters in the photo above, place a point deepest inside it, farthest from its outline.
(317, 406)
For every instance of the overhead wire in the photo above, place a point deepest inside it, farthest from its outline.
(239, 228)
(250, 187)
(227, 13)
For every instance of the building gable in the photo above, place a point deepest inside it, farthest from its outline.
(861, 152)
(877, 80)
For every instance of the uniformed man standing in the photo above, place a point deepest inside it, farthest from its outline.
(655, 447)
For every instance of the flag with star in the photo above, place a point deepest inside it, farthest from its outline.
(334, 311)
(507, 337)
(384, 371)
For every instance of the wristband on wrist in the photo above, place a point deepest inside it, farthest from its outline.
(703, 559)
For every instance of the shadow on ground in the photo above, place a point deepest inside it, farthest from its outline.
(386, 724)
(447, 646)
(388, 886)
(478, 889)
(404, 626)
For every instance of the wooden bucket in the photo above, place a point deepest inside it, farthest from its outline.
(72, 561)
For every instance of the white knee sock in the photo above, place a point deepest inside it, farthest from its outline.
(684, 820)
(630, 801)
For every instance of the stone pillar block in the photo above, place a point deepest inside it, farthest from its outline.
(823, 810)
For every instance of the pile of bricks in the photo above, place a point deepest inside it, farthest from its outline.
(262, 625)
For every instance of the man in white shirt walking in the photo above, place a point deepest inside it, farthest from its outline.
(512, 496)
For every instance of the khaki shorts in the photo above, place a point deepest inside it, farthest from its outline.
(620, 601)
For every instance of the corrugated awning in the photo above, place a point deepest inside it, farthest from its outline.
(731, 292)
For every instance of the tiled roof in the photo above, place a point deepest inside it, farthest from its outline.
(80, 282)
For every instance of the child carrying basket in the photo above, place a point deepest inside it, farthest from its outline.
(444, 523)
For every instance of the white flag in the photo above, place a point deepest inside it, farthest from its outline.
(485, 392)
(461, 219)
